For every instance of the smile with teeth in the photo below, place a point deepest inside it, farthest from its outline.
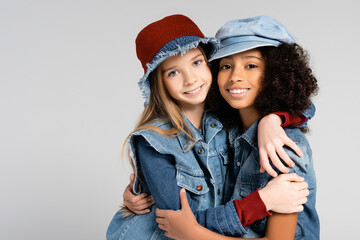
(195, 91)
(238, 90)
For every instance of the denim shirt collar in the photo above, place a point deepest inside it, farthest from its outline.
(210, 127)
(249, 136)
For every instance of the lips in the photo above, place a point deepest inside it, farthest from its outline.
(194, 91)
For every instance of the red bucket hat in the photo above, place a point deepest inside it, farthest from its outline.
(163, 39)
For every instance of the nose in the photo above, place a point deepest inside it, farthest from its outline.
(236, 75)
(190, 77)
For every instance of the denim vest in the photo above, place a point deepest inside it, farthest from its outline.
(246, 168)
(200, 170)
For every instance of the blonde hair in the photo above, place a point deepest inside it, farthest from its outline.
(161, 108)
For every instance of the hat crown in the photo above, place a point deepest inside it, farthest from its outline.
(240, 35)
(155, 35)
(261, 26)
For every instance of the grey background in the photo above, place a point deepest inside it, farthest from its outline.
(68, 99)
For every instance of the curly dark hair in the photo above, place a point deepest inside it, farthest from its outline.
(287, 85)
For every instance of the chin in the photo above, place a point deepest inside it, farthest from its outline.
(238, 106)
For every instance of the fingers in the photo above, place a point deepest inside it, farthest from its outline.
(304, 193)
(303, 200)
(282, 154)
(128, 190)
(265, 165)
(299, 208)
(290, 143)
(160, 213)
(302, 185)
(144, 200)
(138, 204)
(161, 222)
(131, 198)
(293, 177)
(162, 227)
(142, 208)
(128, 196)
(277, 163)
(184, 200)
(132, 177)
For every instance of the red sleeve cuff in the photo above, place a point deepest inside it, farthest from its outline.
(251, 208)
(289, 120)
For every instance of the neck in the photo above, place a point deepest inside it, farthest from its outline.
(194, 113)
(248, 116)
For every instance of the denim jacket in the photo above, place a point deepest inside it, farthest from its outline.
(170, 166)
(246, 168)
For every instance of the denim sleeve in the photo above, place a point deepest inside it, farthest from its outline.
(160, 176)
(222, 219)
(308, 113)
(308, 220)
(303, 165)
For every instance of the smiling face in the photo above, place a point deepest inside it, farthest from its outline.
(239, 78)
(187, 78)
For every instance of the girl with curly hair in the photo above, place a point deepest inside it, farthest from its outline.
(260, 69)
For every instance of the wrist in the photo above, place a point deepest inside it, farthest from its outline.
(264, 196)
(276, 119)
(198, 233)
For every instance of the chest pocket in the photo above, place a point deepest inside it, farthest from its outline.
(251, 182)
(194, 184)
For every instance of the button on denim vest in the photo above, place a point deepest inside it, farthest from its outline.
(246, 168)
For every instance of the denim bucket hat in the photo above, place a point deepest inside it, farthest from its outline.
(167, 37)
(244, 34)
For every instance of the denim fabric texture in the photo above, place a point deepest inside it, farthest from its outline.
(240, 35)
(140, 227)
(308, 113)
(200, 170)
(246, 168)
(213, 168)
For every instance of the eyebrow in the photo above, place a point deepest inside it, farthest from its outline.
(246, 56)
(173, 67)
(168, 69)
(200, 54)
(252, 56)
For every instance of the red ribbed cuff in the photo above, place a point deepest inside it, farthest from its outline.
(289, 120)
(251, 208)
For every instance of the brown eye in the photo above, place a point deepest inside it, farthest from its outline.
(225, 67)
(251, 66)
